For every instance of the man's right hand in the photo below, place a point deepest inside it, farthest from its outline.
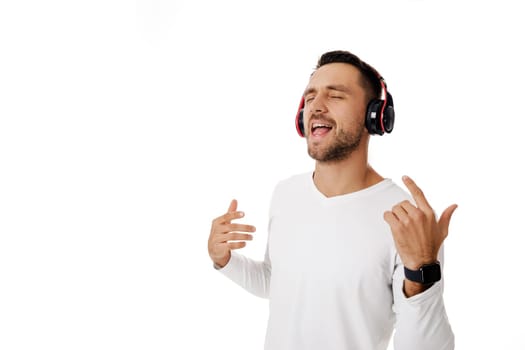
(225, 236)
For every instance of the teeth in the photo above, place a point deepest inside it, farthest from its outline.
(319, 125)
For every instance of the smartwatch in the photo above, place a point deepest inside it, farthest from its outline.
(426, 274)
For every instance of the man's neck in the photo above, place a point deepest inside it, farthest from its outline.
(346, 176)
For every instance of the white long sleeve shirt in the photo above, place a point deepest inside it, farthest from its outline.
(333, 276)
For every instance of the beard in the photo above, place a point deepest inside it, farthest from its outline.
(341, 148)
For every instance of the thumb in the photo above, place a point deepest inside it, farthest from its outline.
(233, 206)
(444, 220)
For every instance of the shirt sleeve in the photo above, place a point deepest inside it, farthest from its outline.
(421, 320)
(252, 275)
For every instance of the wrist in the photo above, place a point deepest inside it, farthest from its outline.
(411, 288)
(417, 263)
(219, 263)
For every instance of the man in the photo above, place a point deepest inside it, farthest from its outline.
(350, 255)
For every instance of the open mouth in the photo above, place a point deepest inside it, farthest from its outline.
(320, 129)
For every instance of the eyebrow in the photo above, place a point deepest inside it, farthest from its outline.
(338, 87)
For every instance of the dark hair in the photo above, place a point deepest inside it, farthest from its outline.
(370, 78)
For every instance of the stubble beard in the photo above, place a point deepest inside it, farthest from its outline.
(341, 148)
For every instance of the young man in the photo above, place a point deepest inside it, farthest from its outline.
(350, 255)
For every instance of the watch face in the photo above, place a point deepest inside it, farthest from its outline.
(430, 273)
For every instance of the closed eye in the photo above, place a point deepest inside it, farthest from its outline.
(309, 99)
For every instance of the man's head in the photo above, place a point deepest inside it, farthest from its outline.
(335, 106)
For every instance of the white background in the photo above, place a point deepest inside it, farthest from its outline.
(126, 127)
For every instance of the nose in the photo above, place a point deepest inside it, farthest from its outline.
(317, 105)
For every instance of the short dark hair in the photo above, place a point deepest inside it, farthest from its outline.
(370, 78)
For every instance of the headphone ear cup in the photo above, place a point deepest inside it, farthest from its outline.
(299, 123)
(388, 119)
(373, 117)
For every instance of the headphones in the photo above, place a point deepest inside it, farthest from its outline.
(380, 113)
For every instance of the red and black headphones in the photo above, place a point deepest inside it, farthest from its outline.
(380, 114)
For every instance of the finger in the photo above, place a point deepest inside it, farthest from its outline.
(401, 214)
(228, 217)
(391, 219)
(236, 245)
(444, 220)
(416, 192)
(407, 206)
(233, 206)
(231, 236)
(236, 236)
(239, 228)
(411, 210)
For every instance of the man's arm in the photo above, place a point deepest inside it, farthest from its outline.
(421, 320)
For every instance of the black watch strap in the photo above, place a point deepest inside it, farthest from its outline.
(426, 274)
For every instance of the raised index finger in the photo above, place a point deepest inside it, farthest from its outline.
(416, 192)
(233, 206)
